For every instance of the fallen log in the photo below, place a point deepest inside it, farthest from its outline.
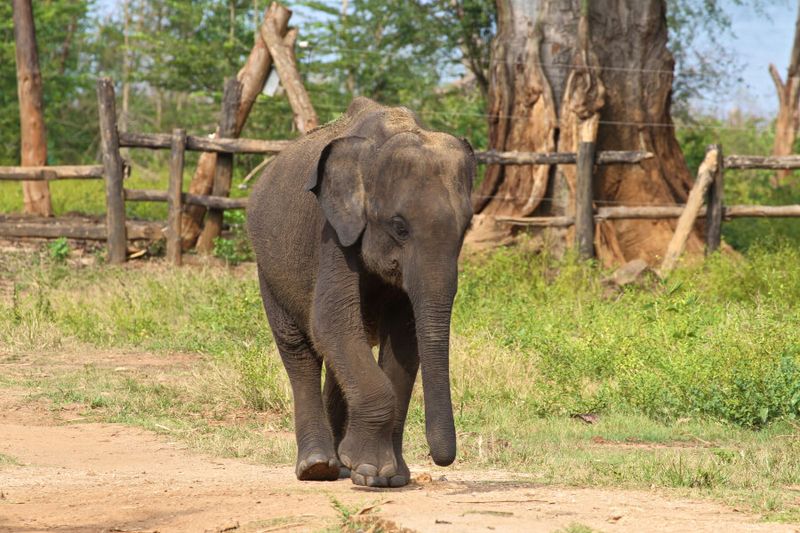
(541, 222)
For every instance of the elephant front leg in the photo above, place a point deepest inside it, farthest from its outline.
(366, 447)
(399, 360)
(316, 453)
(339, 334)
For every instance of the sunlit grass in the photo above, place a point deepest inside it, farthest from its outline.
(693, 379)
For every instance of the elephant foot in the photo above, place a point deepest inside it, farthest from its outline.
(317, 467)
(403, 476)
(371, 465)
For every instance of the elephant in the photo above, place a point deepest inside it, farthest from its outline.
(357, 228)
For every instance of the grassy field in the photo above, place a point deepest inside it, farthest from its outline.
(693, 382)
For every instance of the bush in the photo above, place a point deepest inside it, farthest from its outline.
(720, 339)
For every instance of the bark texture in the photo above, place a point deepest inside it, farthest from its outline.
(31, 114)
(788, 118)
(547, 86)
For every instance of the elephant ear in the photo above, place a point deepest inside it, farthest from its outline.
(338, 183)
(471, 165)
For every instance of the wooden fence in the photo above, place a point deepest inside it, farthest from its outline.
(708, 187)
(117, 230)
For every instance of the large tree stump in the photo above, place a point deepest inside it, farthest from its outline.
(536, 54)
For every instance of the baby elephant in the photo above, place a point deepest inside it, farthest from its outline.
(357, 229)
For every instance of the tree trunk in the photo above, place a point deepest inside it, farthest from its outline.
(31, 114)
(252, 76)
(126, 66)
(788, 119)
(557, 69)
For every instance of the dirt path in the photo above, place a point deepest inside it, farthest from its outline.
(76, 477)
(104, 477)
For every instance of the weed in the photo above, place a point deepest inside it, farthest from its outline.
(576, 528)
(58, 250)
(234, 250)
(7, 460)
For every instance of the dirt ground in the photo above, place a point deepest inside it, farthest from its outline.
(74, 476)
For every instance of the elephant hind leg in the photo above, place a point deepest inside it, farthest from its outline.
(316, 453)
(336, 410)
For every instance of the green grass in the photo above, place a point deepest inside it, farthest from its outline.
(695, 380)
(576, 528)
(7, 460)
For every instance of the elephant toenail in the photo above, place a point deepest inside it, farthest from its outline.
(367, 470)
(398, 481)
(378, 481)
(388, 471)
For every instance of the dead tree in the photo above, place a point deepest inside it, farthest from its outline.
(788, 119)
(31, 115)
(252, 76)
(559, 69)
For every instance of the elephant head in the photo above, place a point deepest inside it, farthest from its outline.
(404, 199)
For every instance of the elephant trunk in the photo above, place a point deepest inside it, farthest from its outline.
(432, 311)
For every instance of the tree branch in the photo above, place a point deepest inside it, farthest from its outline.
(779, 86)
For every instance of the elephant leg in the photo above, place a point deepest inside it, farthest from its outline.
(340, 334)
(316, 453)
(336, 409)
(399, 359)
(366, 447)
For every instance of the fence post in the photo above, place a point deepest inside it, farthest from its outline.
(224, 171)
(584, 192)
(114, 172)
(174, 191)
(705, 176)
(714, 202)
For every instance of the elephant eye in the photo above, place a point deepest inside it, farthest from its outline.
(399, 227)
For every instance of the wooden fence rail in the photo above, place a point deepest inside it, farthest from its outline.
(163, 141)
(658, 213)
(73, 172)
(117, 230)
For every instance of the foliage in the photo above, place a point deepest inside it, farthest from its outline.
(58, 250)
(703, 66)
(235, 248)
(62, 34)
(716, 340)
(390, 49)
(179, 53)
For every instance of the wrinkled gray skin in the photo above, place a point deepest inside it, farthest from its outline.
(357, 229)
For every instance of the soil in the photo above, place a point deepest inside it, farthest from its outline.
(73, 476)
